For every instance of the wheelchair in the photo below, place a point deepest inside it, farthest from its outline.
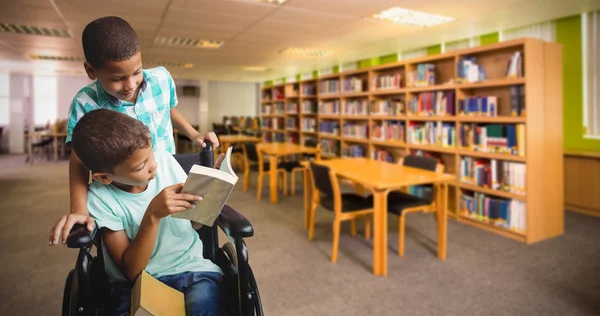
(87, 290)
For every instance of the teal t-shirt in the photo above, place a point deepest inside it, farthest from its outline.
(177, 248)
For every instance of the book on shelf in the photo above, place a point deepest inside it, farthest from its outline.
(356, 107)
(515, 66)
(309, 107)
(352, 84)
(329, 127)
(330, 147)
(469, 71)
(382, 155)
(151, 297)
(387, 130)
(329, 86)
(387, 81)
(214, 186)
(439, 103)
(506, 213)
(329, 107)
(309, 124)
(423, 76)
(291, 108)
(493, 138)
(478, 106)
(432, 134)
(493, 174)
(517, 100)
(353, 151)
(388, 107)
(308, 89)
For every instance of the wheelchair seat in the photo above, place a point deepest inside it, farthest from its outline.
(87, 291)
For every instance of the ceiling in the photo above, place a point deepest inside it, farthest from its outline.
(254, 33)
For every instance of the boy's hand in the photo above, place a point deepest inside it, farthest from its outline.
(170, 200)
(219, 161)
(64, 225)
(210, 136)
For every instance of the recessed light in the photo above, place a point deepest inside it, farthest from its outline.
(254, 68)
(306, 52)
(33, 30)
(273, 1)
(410, 17)
(187, 42)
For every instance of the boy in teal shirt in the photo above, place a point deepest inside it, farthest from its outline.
(114, 61)
(134, 192)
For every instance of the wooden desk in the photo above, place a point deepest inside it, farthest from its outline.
(381, 178)
(54, 135)
(274, 150)
(582, 181)
(226, 140)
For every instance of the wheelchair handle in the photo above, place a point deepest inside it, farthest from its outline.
(207, 155)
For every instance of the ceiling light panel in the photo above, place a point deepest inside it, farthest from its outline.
(168, 64)
(410, 17)
(56, 58)
(273, 1)
(306, 52)
(254, 68)
(187, 42)
(33, 30)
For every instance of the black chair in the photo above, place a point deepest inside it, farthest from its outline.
(346, 206)
(401, 203)
(296, 166)
(87, 291)
(255, 162)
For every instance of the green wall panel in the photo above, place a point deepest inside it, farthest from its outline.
(487, 39)
(435, 49)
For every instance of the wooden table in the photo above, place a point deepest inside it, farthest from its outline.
(274, 150)
(381, 178)
(54, 135)
(226, 140)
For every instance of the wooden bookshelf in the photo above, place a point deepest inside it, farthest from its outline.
(402, 83)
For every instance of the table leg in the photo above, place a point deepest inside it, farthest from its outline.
(442, 221)
(307, 197)
(55, 148)
(30, 150)
(273, 177)
(379, 233)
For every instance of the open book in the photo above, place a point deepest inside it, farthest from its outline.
(214, 186)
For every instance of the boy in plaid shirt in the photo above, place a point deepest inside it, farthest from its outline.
(114, 61)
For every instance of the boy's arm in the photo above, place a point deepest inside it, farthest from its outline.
(182, 125)
(133, 257)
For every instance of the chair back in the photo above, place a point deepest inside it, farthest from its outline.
(420, 162)
(248, 122)
(322, 179)
(250, 152)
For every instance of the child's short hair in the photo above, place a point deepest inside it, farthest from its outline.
(103, 139)
(109, 39)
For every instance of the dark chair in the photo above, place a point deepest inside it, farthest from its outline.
(87, 291)
(295, 166)
(346, 206)
(401, 203)
(1, 148)
(255, 162)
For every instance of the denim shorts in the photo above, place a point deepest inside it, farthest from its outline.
(201, 291)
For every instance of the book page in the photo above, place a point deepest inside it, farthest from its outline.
(214, 193)
(226, 164)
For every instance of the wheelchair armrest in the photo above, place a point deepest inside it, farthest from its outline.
(80, 237)
(234, 224)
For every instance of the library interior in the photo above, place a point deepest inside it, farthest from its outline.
(388, 157)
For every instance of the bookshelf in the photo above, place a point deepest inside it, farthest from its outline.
(492, 115)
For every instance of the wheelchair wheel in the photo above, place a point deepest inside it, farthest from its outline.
(229, 250)
(66, 306)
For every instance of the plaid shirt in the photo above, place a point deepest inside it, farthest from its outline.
(155, 99)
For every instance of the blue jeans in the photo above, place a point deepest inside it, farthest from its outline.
(200, 289)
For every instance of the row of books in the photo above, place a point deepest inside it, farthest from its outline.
(329, 127)
(387, 81)
(478, 106)
(329, 86)
(309, 124)
(353, 151)
(391, 107)
(274, 123)
(432, 134)
(440, 103)
(353, 84)
(329, 107)
(355, 130)
(291, 123)
(291, 107)
(515, 66)
(309, 106)
(308, 89)
(509, 214)
(330, 147)
(273, 109)
(517, 100)
(278, 94)
(423, 76)
(382, 155)
(274, 137)
(356, 107)
(387, 130)
(469, 71)
(493, 174)
(495, 138)
(266, 95)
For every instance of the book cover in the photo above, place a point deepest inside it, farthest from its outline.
(214, 186)
(150, 297)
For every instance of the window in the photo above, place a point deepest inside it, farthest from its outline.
(591, 71)
(545, 31)
(412, 54)
(45, 99)
(4, 99)
(460, 44)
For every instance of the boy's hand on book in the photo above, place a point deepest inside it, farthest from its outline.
(210, 136)
(170, 200)
(219, 161)
(64, 225)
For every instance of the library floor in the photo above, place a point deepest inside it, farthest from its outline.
(484, 274)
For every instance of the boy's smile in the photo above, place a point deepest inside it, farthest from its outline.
(121, 79)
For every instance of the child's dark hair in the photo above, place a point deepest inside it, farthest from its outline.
(109, 39)
(103, 139)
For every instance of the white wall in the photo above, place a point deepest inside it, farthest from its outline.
(20, 112)
(67, 87)
(188, 106)
(231, 98)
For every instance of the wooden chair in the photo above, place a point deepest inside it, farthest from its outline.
(295, 166)
(255, 162)
(402, 203)
(346, 206)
